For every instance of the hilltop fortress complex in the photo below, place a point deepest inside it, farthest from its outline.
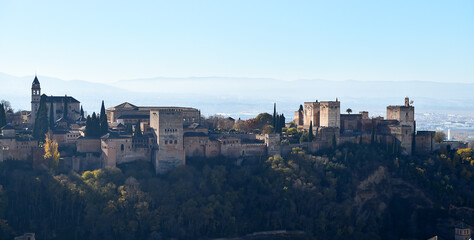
(170, 135)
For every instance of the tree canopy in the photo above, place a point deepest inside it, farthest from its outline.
(440, 137)
(333, 194)
(51, 153)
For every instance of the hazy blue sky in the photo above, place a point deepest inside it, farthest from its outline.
(107, 41)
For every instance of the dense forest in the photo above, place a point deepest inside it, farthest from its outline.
(353, 192)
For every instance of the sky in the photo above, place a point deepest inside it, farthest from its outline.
(108, 41)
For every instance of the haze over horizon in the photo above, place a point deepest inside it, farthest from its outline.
(244, 97)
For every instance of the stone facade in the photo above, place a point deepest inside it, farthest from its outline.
(273, 143)
(13, 147)
(424, 142)
(132, 113)
(404, 135)
(351, 123)
(88, 145)
(115, 149)
(311, 114)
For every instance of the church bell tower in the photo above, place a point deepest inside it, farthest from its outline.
(35, 98)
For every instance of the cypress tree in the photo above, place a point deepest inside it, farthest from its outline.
(41, 122)
(88, 126)
(274, 117)
(3, 116)
(334, 141)
(82, 112)
(104, 125)
(277, 124)
(92, 126)
(282, 121)
(95, 125)
(65, 113)
(128, 129)
(311, 135)
(51, 116)
(138, 130)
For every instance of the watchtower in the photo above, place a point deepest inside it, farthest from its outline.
(330, 114)
(311, 114)
(404, 114)
(167, 125)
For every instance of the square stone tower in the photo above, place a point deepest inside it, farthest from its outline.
(404, 114)
(299, 116)
(311, 113)
(330, 114)
(167, 124)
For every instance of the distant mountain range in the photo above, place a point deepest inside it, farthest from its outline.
(246, 97)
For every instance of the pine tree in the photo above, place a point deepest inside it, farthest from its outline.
(311, 135)
(41, 122)
(138, 130)
(3, 117)
(51, 116)
(104, 125)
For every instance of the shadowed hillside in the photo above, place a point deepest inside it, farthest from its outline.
(352, 192)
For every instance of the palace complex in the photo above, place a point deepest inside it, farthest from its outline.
(170, 135)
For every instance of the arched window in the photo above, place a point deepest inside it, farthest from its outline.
(122, 148)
